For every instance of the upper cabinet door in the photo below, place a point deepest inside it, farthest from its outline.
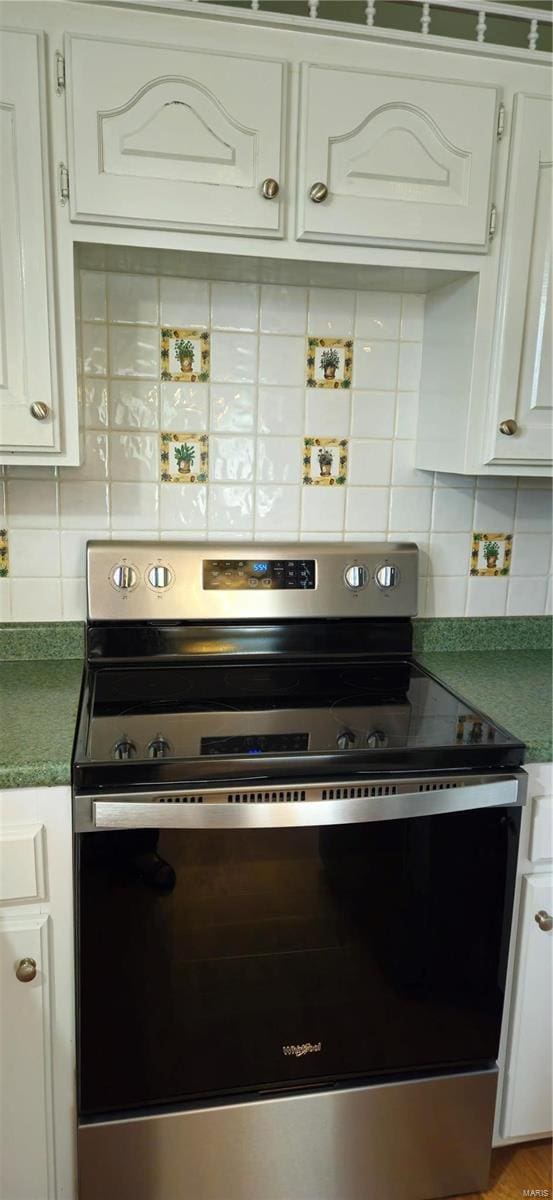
(174, 137)
(406, 160)
(27, 348)
(522, 374)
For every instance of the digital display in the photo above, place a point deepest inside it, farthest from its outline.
(243, 574)
(263, 743)
(259, 568)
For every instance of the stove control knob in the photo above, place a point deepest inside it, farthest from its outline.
(376, 738)
(386, 576)
(159, 577)
(124, 749)
(356, 577)
(345, 740)
(158, 748)
(124, 577)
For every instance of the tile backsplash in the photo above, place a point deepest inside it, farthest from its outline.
(215, 409)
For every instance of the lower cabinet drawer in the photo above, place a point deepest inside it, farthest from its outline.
(541, 830)
(22, 863)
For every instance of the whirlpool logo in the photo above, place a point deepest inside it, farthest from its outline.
(304, 1048)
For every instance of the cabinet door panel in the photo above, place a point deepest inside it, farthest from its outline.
(405, 159)
(26, 309)
(175, 137)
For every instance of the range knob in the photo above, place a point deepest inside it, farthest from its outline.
(124, 577)
(386, 576)
(356, 577)
(345, 739)
(124, 749)
(158, 748)
(376, 738)
(159, 577)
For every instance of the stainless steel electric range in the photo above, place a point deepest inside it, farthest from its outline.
(295, 857)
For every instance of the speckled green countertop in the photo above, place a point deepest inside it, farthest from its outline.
(501, 666)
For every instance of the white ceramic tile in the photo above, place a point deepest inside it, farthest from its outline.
(410, 506)
(233, 357)
(330, 312)
(229, 535)
(73, 599)
(34, 553)
(495, 481)
(32, 504)
(453, 510)
(134, 350)
(184, 302)
(134, 505)
(183, 508)
(134, 404)
(445, 597)
(372, 414)
(375, 365)
(410, 362)
(28, 472)
(95, 349)
(531, 554)
(422, 588)
(494, 510)
(373, 536)
(136, 259)
(283, 309)
(323, 509)
(422, 540)
(5, 600)
(93, 296)
(534, 482)
(327, 413)
(404, 472)
(526, 597)
(446, 479)
(450, 553)
(486, 597)
(184, 407)
(270, 535)
(282, 360)
(84, 505)
(233, 407)
(278, 460)
(277, 507)
(134, 456)
(95, 403)
(370, 462)
(378, 315)
(407, 412)
(533, 512)
(234, 306)
(133, 299)
(95, 458)
(231, 458)
(91, 256)
(73, 550)
(281, 410)
(230, 508)
(412, 317)
(31, 602)
(366, 509)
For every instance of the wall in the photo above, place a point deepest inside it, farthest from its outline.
(244, 428)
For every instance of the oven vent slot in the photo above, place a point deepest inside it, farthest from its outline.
(438, 787)
(354, 793)
(264, 797)
(181, 800)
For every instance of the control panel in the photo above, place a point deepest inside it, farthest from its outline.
(243, 573)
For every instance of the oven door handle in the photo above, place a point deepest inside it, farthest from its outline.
(117, 812)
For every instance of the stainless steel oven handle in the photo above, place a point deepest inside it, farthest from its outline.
(117, 813)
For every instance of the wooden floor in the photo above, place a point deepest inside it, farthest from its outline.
(519, 1169)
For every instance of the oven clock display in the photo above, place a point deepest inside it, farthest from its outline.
(221, 574)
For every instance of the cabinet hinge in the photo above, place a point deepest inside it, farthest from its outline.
(500, 121)
(63, 183)
(60, 73)
(492, 227)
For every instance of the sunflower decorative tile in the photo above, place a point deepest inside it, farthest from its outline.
(4, 558)
(325, 461)
(184, 355)
(329, 362)
(491, 553)
(183, 457)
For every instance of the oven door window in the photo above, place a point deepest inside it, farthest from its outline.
(215, 962)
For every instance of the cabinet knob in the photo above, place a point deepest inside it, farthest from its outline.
(544, 920)
(269, 189)
(26, 970)
(318, 192)
(40, 410)
(508, 428)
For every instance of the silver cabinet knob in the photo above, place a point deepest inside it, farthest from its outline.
(544, 920)
(508, 428)
(356, 577)
(159, 577)
(159, 748)
(26, 970)
(318, 192)
(39, 410)
(269, 189)
(376, 738)
(386, 576)
(124, 577)
(124, 749)
(345, 739)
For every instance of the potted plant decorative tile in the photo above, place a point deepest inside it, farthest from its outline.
(329, 362)
(4, 560)
(183, 457)
(325, 461)
(184, 355)
(491, 553)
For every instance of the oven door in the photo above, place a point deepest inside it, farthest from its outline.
(231, 949)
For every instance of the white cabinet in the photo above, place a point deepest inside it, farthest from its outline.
(27, 343)
(174, 136)
(406, 159)
(522, 376)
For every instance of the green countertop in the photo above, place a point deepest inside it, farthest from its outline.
(507, 674)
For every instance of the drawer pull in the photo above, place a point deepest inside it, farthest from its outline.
(544, 920)
(270, 188)
(26, 970)
(39, 410)
(318, 192)
(508, 427)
